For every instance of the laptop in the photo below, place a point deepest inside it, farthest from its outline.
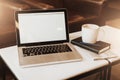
(43, 38)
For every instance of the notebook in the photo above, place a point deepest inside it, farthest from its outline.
(98, 47)
(40, 33)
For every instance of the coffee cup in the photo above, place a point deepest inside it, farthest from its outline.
(90, 33)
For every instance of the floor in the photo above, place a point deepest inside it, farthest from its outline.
(115, 72)
(111, 15)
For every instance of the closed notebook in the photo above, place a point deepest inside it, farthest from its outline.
(98, 47)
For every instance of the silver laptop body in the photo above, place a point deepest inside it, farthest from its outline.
(41, 28)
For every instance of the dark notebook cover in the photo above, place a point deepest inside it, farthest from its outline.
(97, 47)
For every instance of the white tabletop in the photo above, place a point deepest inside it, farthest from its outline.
(57, 71)
(112, 36)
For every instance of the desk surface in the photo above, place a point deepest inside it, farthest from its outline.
(112, 36)
(57, 71)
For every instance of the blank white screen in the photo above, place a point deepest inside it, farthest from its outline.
(41, 27)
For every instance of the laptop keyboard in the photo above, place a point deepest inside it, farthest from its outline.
(50, 49)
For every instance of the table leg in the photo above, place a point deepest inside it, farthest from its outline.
(108, 76)
(3, 74)
(103, 74)
(3, 70)
(109, 72)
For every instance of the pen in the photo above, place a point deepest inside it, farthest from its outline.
(101, 58)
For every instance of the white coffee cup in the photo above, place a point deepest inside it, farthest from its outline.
(90, 33)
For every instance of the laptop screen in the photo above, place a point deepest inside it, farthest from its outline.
(42, 27)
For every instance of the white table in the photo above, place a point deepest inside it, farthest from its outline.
(59, 71)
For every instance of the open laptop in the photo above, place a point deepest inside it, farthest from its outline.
(43, 38)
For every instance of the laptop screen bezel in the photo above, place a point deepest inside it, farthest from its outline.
(40, 11)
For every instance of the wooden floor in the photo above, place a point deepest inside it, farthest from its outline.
(116, 72)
